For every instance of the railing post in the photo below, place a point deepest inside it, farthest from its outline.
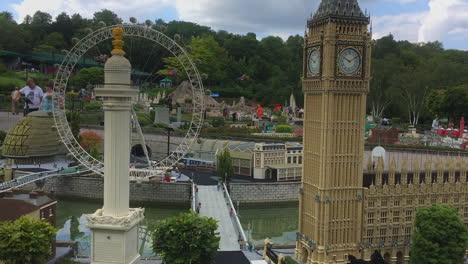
(239, 226)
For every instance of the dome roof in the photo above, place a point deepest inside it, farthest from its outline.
(339, 11)
(33, 136)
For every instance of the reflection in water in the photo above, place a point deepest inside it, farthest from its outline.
(279, 224)
(71, 222)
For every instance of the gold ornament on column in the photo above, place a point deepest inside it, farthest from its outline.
(118, 43)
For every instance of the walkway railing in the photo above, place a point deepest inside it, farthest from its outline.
(236, 217)
(33, 177)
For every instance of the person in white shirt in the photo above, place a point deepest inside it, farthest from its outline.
(33, 96)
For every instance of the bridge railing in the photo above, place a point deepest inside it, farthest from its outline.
(236, 217)
(33, 177)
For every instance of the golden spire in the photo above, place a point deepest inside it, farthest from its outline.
(118, 43)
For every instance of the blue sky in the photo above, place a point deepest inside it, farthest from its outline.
(413, 20)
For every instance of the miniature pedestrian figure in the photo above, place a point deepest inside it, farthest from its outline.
(250, 247)
(196, 188)
(218, 187)
(241, 242)
(234, 117)
(197, 208)
(230, 212)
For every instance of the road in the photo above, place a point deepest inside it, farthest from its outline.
(213, 205)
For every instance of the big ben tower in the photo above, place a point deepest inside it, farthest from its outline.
(336, 76)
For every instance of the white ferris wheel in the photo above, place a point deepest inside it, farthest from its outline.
(137, 31)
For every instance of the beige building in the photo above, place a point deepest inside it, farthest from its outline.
(342, 210)
(278, 161)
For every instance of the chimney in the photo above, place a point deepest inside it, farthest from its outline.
(33, 195)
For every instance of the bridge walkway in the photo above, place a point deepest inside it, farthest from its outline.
(214, 205)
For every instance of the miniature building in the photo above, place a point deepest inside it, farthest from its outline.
(37, 205)
(342, 211)
(33, 139)
(278, 161)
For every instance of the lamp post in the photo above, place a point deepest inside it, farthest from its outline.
(168, 129)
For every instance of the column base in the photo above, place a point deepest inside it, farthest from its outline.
(115, 239)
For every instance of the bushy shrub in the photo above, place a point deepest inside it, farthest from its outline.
(217, 122)
(283, 129)
(193, 233)
(90, 140)
(26, 240)
(93, 107)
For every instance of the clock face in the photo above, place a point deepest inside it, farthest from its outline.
(349, 61)
(314, 62)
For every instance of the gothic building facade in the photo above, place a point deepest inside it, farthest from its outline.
(342, 212)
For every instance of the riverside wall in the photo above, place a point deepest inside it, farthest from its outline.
(255, 193)
(93, 188)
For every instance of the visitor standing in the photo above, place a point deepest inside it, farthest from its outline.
(230, 212)
(14, 102)
(47, 101)
(32, 96)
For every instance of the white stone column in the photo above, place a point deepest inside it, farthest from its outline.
(115, 227)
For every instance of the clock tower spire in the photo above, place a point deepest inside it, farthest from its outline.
(336, 76)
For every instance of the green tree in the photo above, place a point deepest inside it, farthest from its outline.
(284, 129)
(186, 238)
(224, 165)
(88, 76)
(456, 102)
(435, 102)
(211, 57)
(106, 16)
(26, 240)
(439, 236)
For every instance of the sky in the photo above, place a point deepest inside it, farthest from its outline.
(412, 20)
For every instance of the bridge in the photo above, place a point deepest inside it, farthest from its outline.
(33, 177)
(216, 204)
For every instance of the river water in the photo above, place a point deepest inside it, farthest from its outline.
(279, 224)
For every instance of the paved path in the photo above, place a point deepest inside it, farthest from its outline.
(213, 205)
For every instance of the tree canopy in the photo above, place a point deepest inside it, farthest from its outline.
(224, 166)
(26, 240)
(439, 236)
(267, 70)
(186, 238)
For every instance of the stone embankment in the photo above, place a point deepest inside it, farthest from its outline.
(93, 188)
(265, 192)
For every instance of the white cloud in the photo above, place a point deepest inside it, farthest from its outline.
(86, 8)
(443, 17)
(270, 17)
(402, 27)
(241, 16)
